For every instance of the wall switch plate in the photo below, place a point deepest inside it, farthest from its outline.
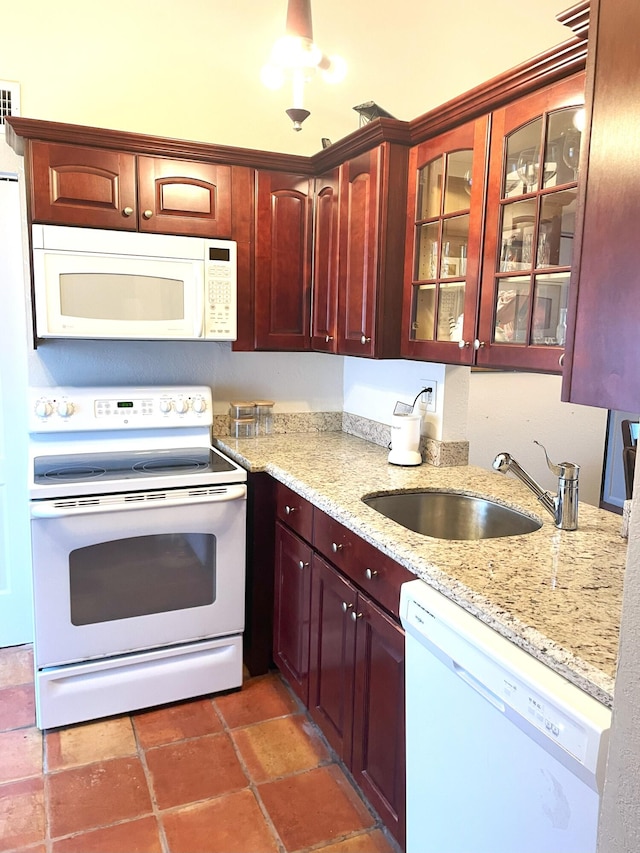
(428, 398)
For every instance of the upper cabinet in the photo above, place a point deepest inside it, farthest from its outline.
(602, 363)
(104, 188)
(529, 230)
(283, 239)
(371, 250)
(445, 204)
(324, 311)
(490, 238)
(358, 252)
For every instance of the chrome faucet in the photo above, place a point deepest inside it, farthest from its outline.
(563, 506)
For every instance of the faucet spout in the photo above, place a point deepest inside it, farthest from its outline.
(563, 507)
(504, 463)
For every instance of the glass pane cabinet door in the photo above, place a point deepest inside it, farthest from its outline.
(533, 174)
(442, 260)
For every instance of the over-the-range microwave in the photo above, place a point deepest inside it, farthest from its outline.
(91, 283)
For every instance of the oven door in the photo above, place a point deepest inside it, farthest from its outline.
(119, 573)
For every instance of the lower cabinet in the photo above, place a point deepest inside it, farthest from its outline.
(338, 642)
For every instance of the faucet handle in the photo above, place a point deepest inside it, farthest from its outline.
(565, 470)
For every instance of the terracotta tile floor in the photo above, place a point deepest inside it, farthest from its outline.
(242, 772)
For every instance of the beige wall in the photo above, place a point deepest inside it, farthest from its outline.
(190, 68)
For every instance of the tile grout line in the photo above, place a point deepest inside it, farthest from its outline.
(252, 785)
(147, 775)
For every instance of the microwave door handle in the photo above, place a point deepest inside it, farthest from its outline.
(199, 330)
(56, 509)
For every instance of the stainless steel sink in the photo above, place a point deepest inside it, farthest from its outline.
(452, 515)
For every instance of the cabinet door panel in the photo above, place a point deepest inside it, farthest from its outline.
(359, 236)
(292, 610)
(184, 197)
(325, 264)
(445, 205)
(332, 649)
(283, 261)
(529, 229)
(378, 759)
(602, 351)
(72, 185)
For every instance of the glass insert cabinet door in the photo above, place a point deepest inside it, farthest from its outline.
(533, 174)
(445, 202)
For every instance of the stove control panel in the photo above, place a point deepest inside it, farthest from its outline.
(114, 408)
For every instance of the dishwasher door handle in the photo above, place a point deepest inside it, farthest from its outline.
(479, 687)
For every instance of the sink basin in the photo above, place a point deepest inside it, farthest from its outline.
(452, 515)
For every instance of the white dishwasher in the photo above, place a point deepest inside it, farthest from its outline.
(503, 754)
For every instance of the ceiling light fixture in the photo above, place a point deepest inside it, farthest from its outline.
(297, 58)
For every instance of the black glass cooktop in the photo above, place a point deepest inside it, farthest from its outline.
(127, 465)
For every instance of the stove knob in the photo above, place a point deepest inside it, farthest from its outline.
(165, 406)
(199, 405)
(43, 408)
(181, 406)
(64, 408)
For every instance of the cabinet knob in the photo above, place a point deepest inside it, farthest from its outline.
(346, 606)
(370, 574)
(302, 565)
(365, 340)
(147, 214)
(127, 211)
(561, 360)
(355, 615)
(328, 338)
(478, 344)
(289, 509)
(463, 344)
(335, 547)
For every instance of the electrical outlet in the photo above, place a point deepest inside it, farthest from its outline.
(428, 398)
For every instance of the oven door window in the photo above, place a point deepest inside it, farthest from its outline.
(141, 575)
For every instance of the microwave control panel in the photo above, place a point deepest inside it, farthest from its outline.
(220, 321)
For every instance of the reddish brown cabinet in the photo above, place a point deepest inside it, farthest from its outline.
(602, 359)
(529, 230)
(338, 642)
(292, 593)
(324, 308)
(491, 216)
(104, 188)
(283, 240)
(356, 688)
(445, 207)
(371, 251)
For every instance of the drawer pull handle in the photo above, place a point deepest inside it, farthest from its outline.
(147, 214)
(289, 509)
(346, 606)
(127, 211)
(365, 340)
(302, 565)
(355, 616)
(335, 547)
(370, 574)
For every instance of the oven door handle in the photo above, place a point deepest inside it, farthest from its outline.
(65, 507)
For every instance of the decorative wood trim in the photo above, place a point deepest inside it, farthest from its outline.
(19, 129)
(562, 61)
(576, 18)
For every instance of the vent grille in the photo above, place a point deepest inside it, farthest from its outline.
(9, 101)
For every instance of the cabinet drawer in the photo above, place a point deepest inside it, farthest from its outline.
(295, 511)
(374, 572)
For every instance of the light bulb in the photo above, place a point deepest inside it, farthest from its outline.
(579, 119)
(336, 70)
(272, 76)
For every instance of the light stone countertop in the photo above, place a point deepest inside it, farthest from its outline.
(557, 594)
